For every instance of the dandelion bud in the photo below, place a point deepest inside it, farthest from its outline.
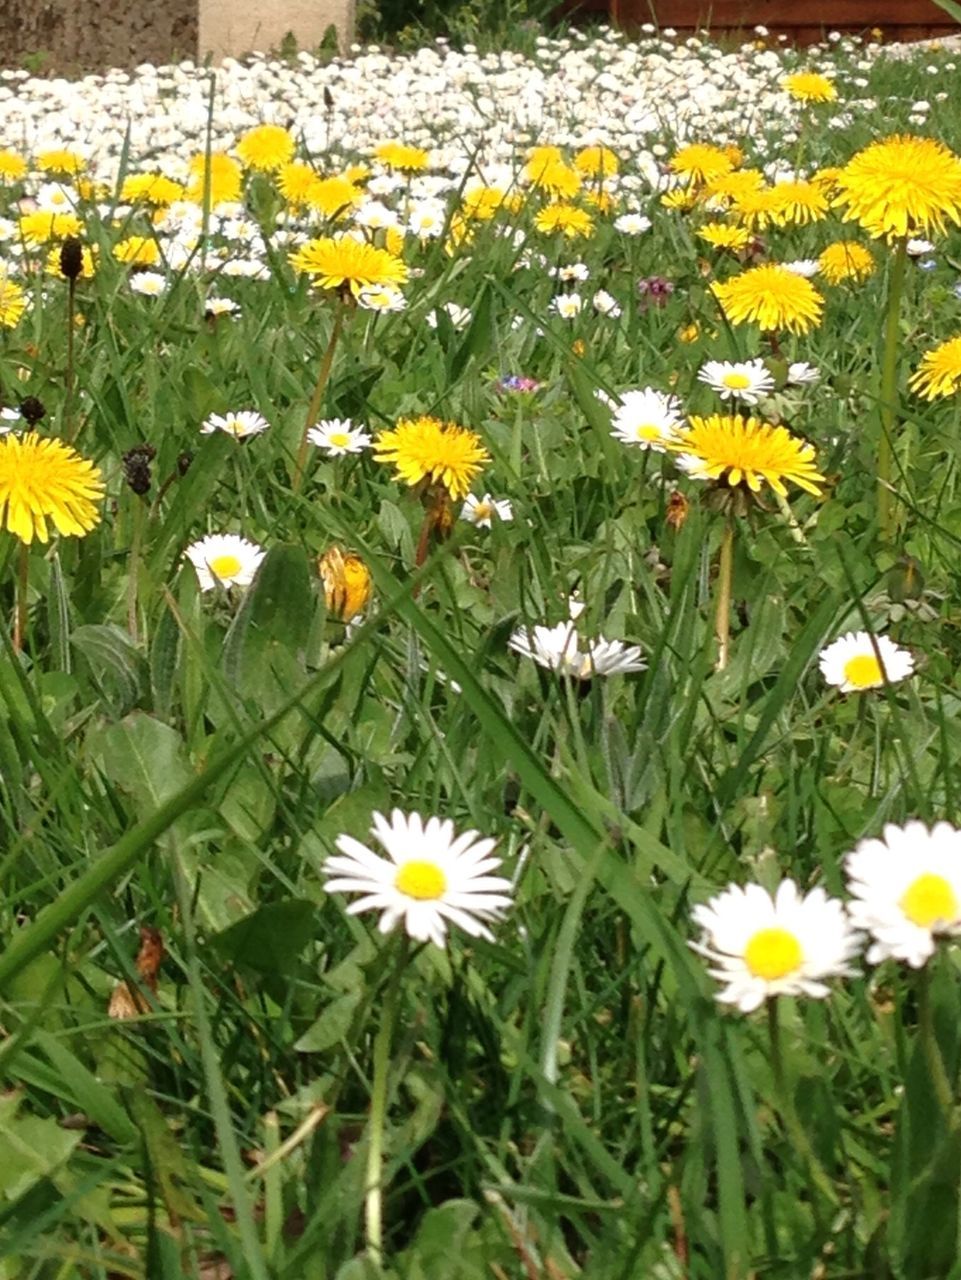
(136, 467)
(32, 410)
(347, 583)
(71, 258)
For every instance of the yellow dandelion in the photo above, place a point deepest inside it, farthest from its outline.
(266, 147)
(155, 189)
(596, 162)
(723, 236)
(602, 200)
(295, 180)
(565, 218)
(846, 260)
(729, 186)
(347, 583)
(745, 451)
(396, 155)
(771, 297)
(13, 302)
(757, 208)
(348, 264)
(143, 251)
(61, 161)
(701, 162)
(427, 449)
(555, 177)
(939, 373)
(42, 226)
(809, 86)
(901, 186)
(681, 199)
(218, 171)
(798, 203)
(827, 178)
(482, 202)
(12, 166)
(333, 197)
(42, 479)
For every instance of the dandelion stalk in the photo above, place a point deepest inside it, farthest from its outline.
(889, 390)
(133, 567)
(313, 409)
(931, 1049)
(374, 1179)
(722, 616)
(795, 1130)
(20, 608)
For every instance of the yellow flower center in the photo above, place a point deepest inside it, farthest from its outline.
(339, 439)
(863, 671)
(773, 953)
(225, 566)
(736, 381)
(930, 900)
(648, 431)
(422, 880)
(483, 511)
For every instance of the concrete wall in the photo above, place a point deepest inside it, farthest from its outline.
(91, 35)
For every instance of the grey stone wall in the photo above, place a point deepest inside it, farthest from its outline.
(87, 35)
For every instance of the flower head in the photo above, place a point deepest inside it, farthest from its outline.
(809, 86)
(347, 583)
(745, 451)
(13, 302)
(646, 418)
(560, 649)
(568, 219)
(858, 660)
(240, 425)
(745, 380)
(906, 890)
(772, 297)
(224, 560)
(427, 448)
(938, 374)
(348, 264)
(721, 235)
(42, 479)
(701, 161)
(266, 147)
(846, 260)
(429, 879)
(901, 186)
(338, 436)
(396, 155)
(480, 512)
(764, 945)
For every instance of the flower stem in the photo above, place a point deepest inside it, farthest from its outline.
(930, 1048)
(68, 381)
(722, 616)
(373, 1183)
(133, 568)
(795, 1130)
(889, 391)
(20, 609)
(313, 409)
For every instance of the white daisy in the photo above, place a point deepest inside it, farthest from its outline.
(763, 946)
(578, 271)
(800, 373)
(919, 248)
(429, 878)
(906, 890)
(225, 560)
(242, 424)
(559, 649)
(220, 307)
(632, 224)
(606, 304)
(568, 305)
(339, 436)
(859, 661)
(381, 297)
(646, 418)
(481, 511)
(746, 380)
(806, 267)
(149, 283)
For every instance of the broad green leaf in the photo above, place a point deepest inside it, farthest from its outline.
(272, 938)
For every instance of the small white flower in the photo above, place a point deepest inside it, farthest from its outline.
(381, 297)
(429, 879)
(852, 662)
(225, 560)
(576, 271)
(632, 224)
(605, 304)
(919, 248)
(646, 418)
(149, 283)
(459, 316)
(480, 511)
(800, 373)
(559, 649)
(762, 945)
(220, 307)
(339, 436)
(242, 424)
(746, 380)
(806, 267)
(906, 890)
(568, 305)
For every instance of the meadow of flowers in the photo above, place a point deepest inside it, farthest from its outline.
(479, 759)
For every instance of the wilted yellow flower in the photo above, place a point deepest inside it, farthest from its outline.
(347, 583)
(771, 297)
(266, 147)
(744, 451)
(846, 260)
(427, 448)
(939, 373)
(809, 86)
(42, 479)
(901, 186)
